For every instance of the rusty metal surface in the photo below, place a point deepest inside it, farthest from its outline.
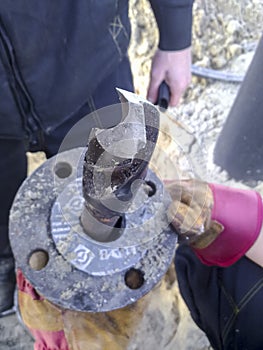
(64, 283)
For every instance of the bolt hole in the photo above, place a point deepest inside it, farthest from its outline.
(151, 188)
(63, 170)
(134, 278)
(38, 260)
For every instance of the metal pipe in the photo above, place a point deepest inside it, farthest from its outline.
(239, 148)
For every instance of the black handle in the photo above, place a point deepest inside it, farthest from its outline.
(164, 95)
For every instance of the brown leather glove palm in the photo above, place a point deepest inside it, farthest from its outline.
(190, 212)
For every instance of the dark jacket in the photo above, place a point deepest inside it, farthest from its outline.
(226, 303)
(53, 54)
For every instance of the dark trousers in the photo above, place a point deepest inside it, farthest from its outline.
(13, 165)
(226, 303)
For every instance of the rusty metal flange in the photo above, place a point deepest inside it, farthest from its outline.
(78, 272)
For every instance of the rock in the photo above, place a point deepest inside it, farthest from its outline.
(218, 62)
(205, 62)
(234, 27)
(234, 50)
(199, 23)
(215, 50)
(189, 109)
(143, 48)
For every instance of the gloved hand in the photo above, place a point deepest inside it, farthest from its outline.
(190, 212)
(220, 223)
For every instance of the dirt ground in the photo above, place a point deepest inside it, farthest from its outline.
(224, 38)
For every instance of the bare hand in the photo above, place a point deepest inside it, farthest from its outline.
(175, 68)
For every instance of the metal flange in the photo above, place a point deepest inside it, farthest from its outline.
(78, 272)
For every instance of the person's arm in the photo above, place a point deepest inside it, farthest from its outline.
(255, 253)
(172, 60)
(220, 223)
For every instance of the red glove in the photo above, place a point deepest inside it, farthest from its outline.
(241, 214)
(220, 223)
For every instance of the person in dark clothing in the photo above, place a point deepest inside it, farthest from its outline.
(219, 260)
(60, 61)
(224, 295)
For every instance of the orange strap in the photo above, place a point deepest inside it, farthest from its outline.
(42, 318)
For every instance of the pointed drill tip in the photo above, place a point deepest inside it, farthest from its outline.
(128, 96)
